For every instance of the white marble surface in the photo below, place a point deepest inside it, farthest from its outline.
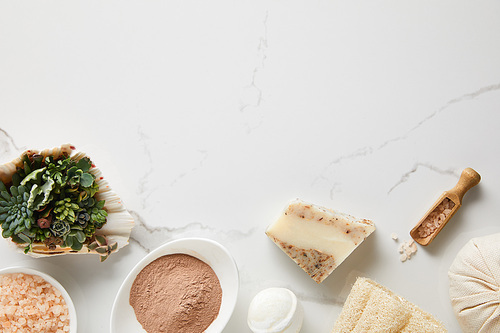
(208, 116)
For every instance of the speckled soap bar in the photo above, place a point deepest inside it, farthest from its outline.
(316, 238)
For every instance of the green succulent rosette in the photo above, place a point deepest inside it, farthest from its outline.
(57, 202)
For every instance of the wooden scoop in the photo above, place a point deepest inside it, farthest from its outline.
(445, 207)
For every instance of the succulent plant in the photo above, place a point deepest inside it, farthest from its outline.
(89, 230)
(82, 218)
(102, 246)
(44, 223)
(29, 164)
(52, 241)
(65, 210)
(60, 228)
(34, 177)
(86, 202)
(52, 201)
(96, 211)
(78, 175)
(40, 196)
(75, 238)
(98, 215)
(15, 216)
(56, 170)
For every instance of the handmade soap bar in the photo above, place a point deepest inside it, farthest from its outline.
(371, 307)
(316, 238)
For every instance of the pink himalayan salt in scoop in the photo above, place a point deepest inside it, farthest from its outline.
(444, 208)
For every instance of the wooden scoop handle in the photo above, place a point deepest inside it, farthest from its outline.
(468, 179)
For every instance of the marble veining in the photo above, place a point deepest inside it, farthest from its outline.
(144, 180)
(7, 142)
(406, 175)
(204, 156)
(150, 238)
(368, 150)
(252, 95)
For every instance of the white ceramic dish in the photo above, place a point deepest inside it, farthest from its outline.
(123, 319)
(55, 283)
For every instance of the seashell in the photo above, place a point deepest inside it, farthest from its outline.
(119, 222)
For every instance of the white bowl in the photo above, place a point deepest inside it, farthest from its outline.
(55, 283)
(123, 319)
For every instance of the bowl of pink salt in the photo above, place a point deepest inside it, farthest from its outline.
(32, 301)
(188, 285)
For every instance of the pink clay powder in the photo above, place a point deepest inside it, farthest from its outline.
(176, 293)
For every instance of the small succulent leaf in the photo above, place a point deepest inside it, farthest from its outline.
(26, 164)
(101, 250)
(37, 161)
(34, 176)
(40, 195)
(29, 233)
(80, 236)
(86, 180)
(114, 247)
(101, 240)
(72, 172)
(17, 240)
(5, 195)
(84, 164)
(76, 246)
(16, 179)
(93, 246)
(83, 195)
(22, 189)
(13, 191)
(24, 238)
(20, 228)
(104, 258)
(14, 224)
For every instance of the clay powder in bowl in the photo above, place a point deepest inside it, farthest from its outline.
(176, 293)
(32, 301)
(188, 285)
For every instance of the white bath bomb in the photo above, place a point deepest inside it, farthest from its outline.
(275, 310)
(474, 285)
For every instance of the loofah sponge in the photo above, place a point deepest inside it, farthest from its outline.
(371, 307)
